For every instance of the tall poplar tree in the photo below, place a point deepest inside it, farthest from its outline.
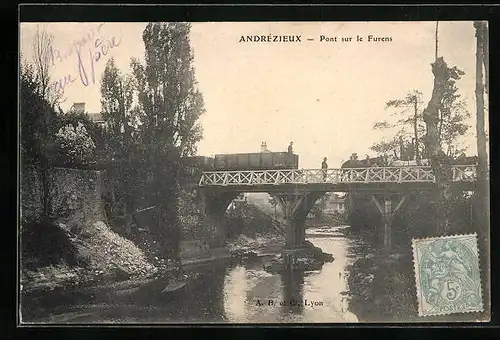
(117, 94)
(170, 104)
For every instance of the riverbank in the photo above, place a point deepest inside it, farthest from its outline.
(95, 255)
(260, 245)
(382, 288)
(222, 292)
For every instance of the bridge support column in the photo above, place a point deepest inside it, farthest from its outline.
(295, 208)
(213, 206)
(388, 217)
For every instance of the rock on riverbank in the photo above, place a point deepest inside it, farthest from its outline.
(260, 245)
(309, 258)
(102, 255)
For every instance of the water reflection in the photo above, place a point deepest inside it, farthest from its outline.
(293, 293)
(253, 295)
(241, 293)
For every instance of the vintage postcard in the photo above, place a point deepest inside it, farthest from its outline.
(253, 172)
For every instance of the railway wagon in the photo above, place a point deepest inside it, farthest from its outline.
(256, 161)
(200, 162)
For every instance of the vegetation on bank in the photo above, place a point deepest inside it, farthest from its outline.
(382, 286)
(151, 121)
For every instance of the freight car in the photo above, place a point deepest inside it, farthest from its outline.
(199, 162)
(256, 161)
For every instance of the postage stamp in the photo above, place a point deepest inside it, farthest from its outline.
(448, 278)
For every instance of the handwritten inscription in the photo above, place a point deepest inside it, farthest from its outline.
(101, 48)
(87, 53)
(56, 56)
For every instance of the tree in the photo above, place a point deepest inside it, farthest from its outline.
(482, 191)
(274, 203)
(170, 105)
(94, 130)
(117, 95)
(452, 115)
(39, 102)
(413, 101)
(443, 83)
(76, 142)
(386, 147)
(482, 170)
(37, 118)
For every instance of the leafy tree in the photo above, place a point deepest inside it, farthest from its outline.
(411, 119)
(37, 140)
(388, 147)
(38, 113)
(443, 85)
(170, 105)
(95, 134)
(76, 142)
(452, 116)
(117, 95)
(274, 204)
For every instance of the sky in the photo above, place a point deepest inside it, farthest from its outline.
(324, 96)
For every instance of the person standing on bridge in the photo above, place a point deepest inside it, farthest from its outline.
(324, 166)
(290, 148)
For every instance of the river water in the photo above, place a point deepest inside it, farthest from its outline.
(232, 293)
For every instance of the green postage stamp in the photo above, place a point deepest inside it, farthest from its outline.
(447, 275)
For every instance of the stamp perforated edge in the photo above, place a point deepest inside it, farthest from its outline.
(417, 275)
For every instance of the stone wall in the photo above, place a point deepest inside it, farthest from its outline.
(30, 199)
(75, 194)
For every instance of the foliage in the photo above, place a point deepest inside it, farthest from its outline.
(274, 204)
(94, 131)
(76, 143)
(386, 147)
(452, 114)
(151, 119)
(37, 118)
(409, 110)
(122, 144)
(409, 122)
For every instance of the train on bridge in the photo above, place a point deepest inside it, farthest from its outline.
(245, 161)
(285, 160)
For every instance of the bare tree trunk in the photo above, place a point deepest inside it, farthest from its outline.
(480, 123)
(415, 130)
(437, 28)
(437, 157)
(482, 169)
(41, 52)
(486, 55)
(401, 148)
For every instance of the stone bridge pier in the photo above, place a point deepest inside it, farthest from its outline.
(295, 206)
(213, 206)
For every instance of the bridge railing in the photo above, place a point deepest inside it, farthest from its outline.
(411, 174)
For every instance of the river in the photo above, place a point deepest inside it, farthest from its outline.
(230, 293)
